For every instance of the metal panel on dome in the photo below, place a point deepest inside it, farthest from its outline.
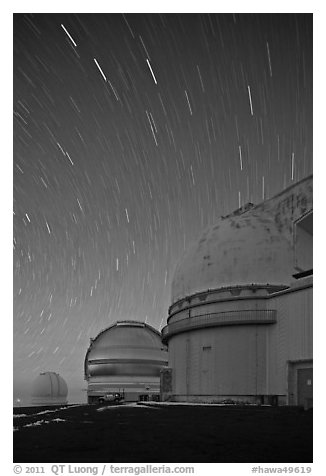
(130, 324)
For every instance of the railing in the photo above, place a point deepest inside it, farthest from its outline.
(226, 318)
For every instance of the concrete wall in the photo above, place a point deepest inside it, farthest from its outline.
(220, 361)
(244, 360)
(291, 339)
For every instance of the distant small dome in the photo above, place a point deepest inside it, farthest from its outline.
(239, 249)
(49, 388)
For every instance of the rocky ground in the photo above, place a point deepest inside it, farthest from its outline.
(166, 434)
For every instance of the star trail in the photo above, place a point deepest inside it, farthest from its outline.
(132, 133)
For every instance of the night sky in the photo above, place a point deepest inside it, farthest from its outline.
(132, 133)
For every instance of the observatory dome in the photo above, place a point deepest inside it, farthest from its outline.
(126, 348)
(240, 249)
(49, 388)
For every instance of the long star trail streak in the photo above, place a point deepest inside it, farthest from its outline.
(100, 69)
(269, 59)
(114, 91)
(69, 36)
(163, 107)
(192, 175)
(43, 182)
(69, 158)
(48, 228)
(200, 78)
(250, 101)
(127, 23)
(145, 49)
(150, 123)
(188, 102)
(153, 122)
(240, 157)
(152, 72)
(292, 166)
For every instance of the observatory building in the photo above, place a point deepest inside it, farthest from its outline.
(125, 358)
(49, 388)
(240, 324)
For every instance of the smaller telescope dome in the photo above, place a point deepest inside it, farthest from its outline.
(49, 388)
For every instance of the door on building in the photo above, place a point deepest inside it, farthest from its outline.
(304, 387)
(206, 366)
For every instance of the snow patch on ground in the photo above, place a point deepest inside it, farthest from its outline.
(158, 405)
(189, 404)
(36, 423)
(109, 407)
(40, 422)
(44, 412)
(56, 410)
(127, 405)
